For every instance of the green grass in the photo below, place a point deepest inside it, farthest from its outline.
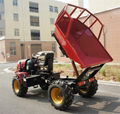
(108, 72)
(67, 69)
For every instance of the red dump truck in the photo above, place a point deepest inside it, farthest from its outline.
(78, 38)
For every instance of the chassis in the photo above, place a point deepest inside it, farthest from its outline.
(39, 69)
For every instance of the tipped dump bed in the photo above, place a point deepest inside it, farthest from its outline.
(77, 38)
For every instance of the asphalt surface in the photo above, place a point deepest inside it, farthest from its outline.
(106, 101)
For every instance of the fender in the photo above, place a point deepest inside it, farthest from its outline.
(22, 75)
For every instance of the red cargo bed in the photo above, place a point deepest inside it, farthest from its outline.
(74, 31)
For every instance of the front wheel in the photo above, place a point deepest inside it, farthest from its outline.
(18, 88)
(89, 91)
(60, 95)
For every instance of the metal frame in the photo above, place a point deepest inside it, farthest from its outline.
(64, 12)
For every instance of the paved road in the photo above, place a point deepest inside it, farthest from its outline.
(106, 101)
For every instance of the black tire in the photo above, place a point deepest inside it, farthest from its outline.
(19, 89)
(89, 91)
(60, 95)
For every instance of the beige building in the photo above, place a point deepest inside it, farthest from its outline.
(111, 33)
(26, 27)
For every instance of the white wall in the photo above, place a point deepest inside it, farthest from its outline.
(9, 23)
(100, 5)
(75, 2)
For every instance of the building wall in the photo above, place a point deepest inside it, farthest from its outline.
(111, 33)
(44, 45)
(103, 5)
(9, 23)
(75, 2)
(23, 24)
(2, 51)
(23, 50)
(99, 5)
(9, 56)
(5, 53)
(2, 21)
(24, 19)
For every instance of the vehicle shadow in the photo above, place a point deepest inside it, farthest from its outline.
(95, 105)
(99, 103)
(38, 94)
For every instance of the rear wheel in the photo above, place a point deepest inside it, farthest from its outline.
(19, 89)
(89, 90)
(60, 95)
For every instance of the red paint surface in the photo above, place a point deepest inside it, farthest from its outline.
(77, 39)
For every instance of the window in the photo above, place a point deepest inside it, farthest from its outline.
(34, 21)
(56, 9)
(0, 17)
(33, 7)
(35, 35)
(15, 2)
(52, 20)
(1, 33)
(16, 32)
(15, 17)
(1, 1)
(51, 8)
(12, 48)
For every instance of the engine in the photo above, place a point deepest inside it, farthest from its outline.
(42, 61)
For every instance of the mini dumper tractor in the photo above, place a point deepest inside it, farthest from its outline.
(78, 40)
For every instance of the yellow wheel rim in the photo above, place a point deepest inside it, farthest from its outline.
(16, 86)
(83, 91)
(56, 97)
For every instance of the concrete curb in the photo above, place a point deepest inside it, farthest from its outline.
(111, 83)
(7, 70)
